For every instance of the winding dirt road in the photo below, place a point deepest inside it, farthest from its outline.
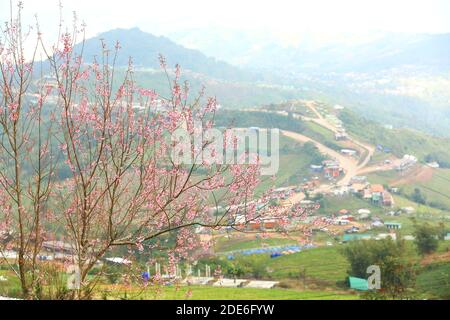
(352, 167)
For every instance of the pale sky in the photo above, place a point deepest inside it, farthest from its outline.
(283, 16)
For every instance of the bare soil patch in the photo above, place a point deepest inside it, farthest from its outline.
(417, 174)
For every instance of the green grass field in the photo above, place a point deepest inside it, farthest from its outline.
(331, 205)
(436, 190)
(325, 270)
(293, 166)
(324, 264)
(382, 177)
(293, 169)
(223, 244)
(421, 215)
(214, 293)
(322, 135)
(434, 280)
(10, 287)
(400, 141)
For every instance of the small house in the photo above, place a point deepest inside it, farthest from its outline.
(270, 224)
(433, 165)
(330, 163)
(377, 224)
(367, 194)
(341, 222)
(377, 193)
(58, 250)
(333, 171)
(339, 136)
(393, 225)
(255, 225)
(377, 188)
(316, 168)
(58, 247)
(376, 198)
(387, 199)
(348, 152)
(358, 188)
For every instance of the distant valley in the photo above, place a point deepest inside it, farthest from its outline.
(397, 80)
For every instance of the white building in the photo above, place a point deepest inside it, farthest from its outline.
(349, 152)
(364, 211)
(433, 165)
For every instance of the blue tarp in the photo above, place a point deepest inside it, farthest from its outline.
(145, 276)
(275, 249)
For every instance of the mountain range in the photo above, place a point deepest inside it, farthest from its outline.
(345, 53)
(145, 49)
(398, 79)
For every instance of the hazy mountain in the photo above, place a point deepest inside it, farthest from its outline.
(396, 78)
(392, 51)
(234, 87)
(315, 52)
(145, 49)
(401, 79)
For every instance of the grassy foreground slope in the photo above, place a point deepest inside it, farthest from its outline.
(214, 293)
(434, 280)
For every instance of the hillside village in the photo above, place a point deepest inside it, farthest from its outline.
(344, 174)
(119, 179)
(326, 181)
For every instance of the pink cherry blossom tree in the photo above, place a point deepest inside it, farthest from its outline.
(87, 157)
(114, 139)
(27, 163)
(125, 188)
